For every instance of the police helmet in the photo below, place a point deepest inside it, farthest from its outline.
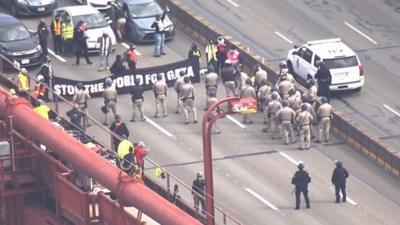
(79, 85)
(274, 96)
(285, 103)
(159, 76)
(186, 80)
(292, 91)
(264, 81)
(282, 65)
(284, 72)
(304, 107)
(248, 81)
(324, 100)
(338, 163)
(304, 97)
(300, 165)
(108, 81)
(199, 174)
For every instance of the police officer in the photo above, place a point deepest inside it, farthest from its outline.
(283, 87)
(110, 100)
(228, 77)
(178, 88)
(43, 35)
(260, 75)
(324, 114)
(286, 117)
(263, 94)
(137, 100)
(300, 180)
(81, 98)
(273, 106)
(80, 40)
(304, 120)
(324, 79)
(187, 95)
(294, 100)
(247, 91)
(194, 57)
(198, 192)
(311, 94)
(211, 99)
(160, 95)
(241, 78)
(211, 82)
(310, 109)
(338, 179)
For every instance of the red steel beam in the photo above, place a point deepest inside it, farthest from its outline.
(134, 193)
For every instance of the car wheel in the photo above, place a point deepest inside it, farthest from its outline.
(14, 10)
(357, 89)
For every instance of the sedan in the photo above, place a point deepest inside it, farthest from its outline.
(140, 16)
(17, 44)
(29, 7)
(100, 5)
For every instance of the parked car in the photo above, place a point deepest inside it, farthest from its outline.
(343, 63)
(29, 7)
(94, 19)
(100, 5)
(140, 16)
(18, 44)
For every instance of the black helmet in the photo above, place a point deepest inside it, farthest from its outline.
(304, 98)
(282, 65)
(304, 107)
(159, 76)
(338, 163)
(324, 100)
(274, 96)
(264, 81)
(79, 85)
(292, 91)
(300, 165)
(186, 80)
(285, 103)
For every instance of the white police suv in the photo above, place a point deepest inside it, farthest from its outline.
(343, 63)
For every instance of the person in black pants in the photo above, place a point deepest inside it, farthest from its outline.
(198, 192)
(339, 177)
(300, 180)
(324, 80)
(80, 42)
(43, 35)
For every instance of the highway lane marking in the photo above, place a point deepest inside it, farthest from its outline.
(361, 33)
(127, 47)
(236, 122)
(391, 110)
(288, 157)
(154, 124)
(233, 3)
(56, 56)
(283, 37)
(351, 201)
(263, 200)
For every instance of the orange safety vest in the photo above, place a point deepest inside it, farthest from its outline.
(57, 27)
(40, 90)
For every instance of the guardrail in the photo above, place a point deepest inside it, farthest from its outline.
(202, 30)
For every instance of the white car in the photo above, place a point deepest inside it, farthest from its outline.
(343, 63)
(94, 19)
(100, 5)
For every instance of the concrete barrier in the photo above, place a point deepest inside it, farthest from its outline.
(344, 127)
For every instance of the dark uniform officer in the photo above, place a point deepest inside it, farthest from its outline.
(339, 177)
(300, 180)
(324, 80)
(198, 192)
(43, 35)
(228, 77)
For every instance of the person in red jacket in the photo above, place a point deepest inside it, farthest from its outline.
(140, 152)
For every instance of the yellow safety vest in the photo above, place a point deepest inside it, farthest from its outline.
(57, 27)
(196, 53)
(43, 111)
(123, 148)
(211, 51)
(23, 82)
(67, 31)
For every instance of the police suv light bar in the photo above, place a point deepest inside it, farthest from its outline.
(324, 41)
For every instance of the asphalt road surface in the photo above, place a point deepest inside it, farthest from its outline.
(252, 173)
(371, 28)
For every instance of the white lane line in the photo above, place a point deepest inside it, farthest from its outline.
(127, 46)
(233, 3)
(263, 200)
(56, 56)
(154, 124)
(236, 122)
(351, 201)
(288, 158)
(361, 33)
(391, 110)
(283, 37)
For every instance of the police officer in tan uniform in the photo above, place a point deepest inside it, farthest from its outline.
(247, 91)
(304, 119)
(294, 100)
(80, 98)
(312, 94)
(286, 117)
(263, 94)
(160, 95)
(260, 75)
(187, 93)
(110, 100)
(178, 87)
(324, 113)
(310, 109)
(211, 99)
(273, 106)
(283, 87)
(211, 83)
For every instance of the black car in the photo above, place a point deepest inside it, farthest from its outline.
(29, 7)
(17, 44)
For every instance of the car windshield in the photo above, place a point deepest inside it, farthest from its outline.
(150, 9)
(93, 20)
(341, 62)
(13, 33)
